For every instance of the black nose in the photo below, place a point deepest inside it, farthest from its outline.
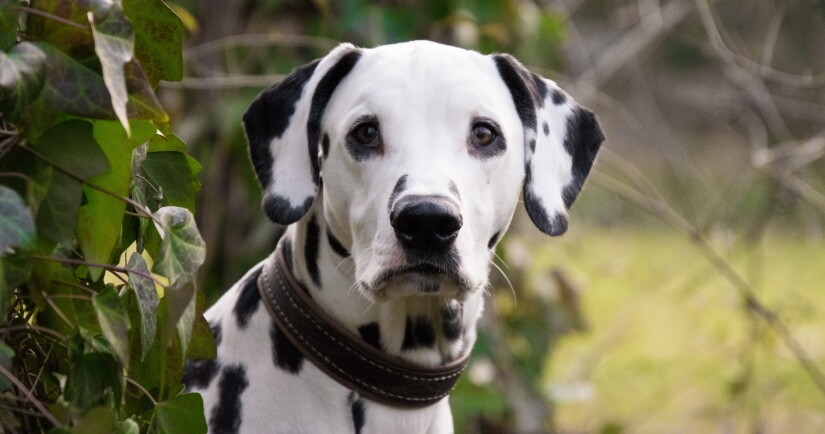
(426, 224)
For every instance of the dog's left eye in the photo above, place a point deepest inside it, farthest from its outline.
(366, 134)
(483, 134)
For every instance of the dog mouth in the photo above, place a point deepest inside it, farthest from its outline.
(421, 279)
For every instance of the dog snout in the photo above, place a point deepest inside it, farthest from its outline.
(428, 224)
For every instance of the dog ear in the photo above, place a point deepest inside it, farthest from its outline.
(283, 128)
(561, 139)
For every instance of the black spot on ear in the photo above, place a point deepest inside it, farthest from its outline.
(311, 246)
(451, 322)
(582, 141)
(199, 373)
(336, 245)
(523, 98)
(558, 97)
(541, 88)
(226, 415)
(358, 412)
(268, 117)
(400, 185)
(280, 210)
(325, 145)
(418, 332)
(493, 240)
(284, 354)
(248, 299)
(323, 93)
(371, 334)
(546, 129)
(216, 332)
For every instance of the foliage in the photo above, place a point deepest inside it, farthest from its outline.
(94, 189)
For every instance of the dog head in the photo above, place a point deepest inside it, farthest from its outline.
(423, 150)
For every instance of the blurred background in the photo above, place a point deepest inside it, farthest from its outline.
(688, 295)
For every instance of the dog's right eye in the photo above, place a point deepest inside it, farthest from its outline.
(366, 134)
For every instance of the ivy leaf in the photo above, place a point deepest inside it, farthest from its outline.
(16, 222)
(183, 413)
(99, 420)
(171, 172)
(72, 147)
(186, 321)
(202, 343)
(147, 298)
(158, 39)
(100, 219)
(114, 320)
(128, 426)
(22, 71)
(74, 88)
(93, 377)
(8, 25)
(14, 270)
(114, 45)
(182, 250)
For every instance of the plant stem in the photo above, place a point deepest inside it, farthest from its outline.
(30, 396)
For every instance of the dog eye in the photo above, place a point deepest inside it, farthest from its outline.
(483, 134)
(366, 134)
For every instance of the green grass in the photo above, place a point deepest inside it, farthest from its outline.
(670, 347)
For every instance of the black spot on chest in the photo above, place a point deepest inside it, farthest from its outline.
(225, 417)
(248, 299)
(358, 410)
(336, 245)
(199, 373)
(371, 334)
(284, 354)
(418, 332)
(452, 326)
(311, 246)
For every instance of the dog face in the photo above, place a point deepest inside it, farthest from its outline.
(422, 149)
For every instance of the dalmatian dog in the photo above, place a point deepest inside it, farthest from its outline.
(397, 170)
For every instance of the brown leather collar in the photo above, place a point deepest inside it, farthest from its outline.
(343, 356)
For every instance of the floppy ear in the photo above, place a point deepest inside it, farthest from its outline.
(283, 128)
(561, 139)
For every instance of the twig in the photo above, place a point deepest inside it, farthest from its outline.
(51, 17)
(224, 82)
(258, 40)
(32, 328)
(56, 309)
(142, 389)
(106, 267)
(30, 396)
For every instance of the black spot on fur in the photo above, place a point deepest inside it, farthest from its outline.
(216, 332)
(268, 117)
(226, 415)
(280, 210)
(541, 88)
(323, 93)
(524, 97)
(493, 240)
(358, 412)
(558, 96)
(582, 141)
(400, 185)
(284, 354)
(199, 373)
(286, 244)
(325, 145)
(248, 299)
(533, 145)
(336, 245)
(371, 334)
(418, 332)
(546, 129)
(311, 246)
(451, 322)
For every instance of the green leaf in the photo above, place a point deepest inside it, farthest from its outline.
(114, 45)
(99, 420)
(128, 426)
(187, 319)
(182, 250)
(71, 146)
(202, 343)
(14, 270)
(171, 172)
(182, 414)
(114, 320)
(16, 222)
(8, 25)
(100, 219)
(74, 88)
(94, 378)
(22, 71)
(158, 39)
(6, 353)
(147, 298)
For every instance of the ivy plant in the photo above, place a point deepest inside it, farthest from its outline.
(98, 244)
